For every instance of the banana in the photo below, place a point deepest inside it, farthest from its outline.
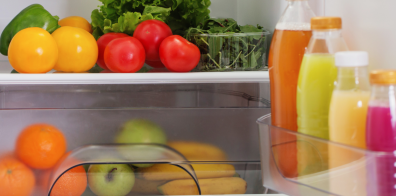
(230, 185)
(170, 172)
(147, 186)
(195, 151)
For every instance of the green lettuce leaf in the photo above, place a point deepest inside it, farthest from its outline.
(123, 15)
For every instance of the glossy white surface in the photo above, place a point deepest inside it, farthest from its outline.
(135, 78)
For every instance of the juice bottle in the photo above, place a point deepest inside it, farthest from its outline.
(317, 76)
(315, 88)
(291, 37)
(349, 104)
(381, 132)
(347, 120)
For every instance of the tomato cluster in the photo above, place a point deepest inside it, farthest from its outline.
(73, 49)
(152, 43)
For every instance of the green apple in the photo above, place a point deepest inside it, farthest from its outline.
(141, 132)
(111, 179)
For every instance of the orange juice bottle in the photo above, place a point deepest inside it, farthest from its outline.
(349, 104)
(291, 37)
(347, 122)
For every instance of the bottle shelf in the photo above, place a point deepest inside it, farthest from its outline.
(320, 167)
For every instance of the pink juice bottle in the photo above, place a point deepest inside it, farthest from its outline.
(381, 133)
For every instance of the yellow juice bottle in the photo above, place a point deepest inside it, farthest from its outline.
(315, 87)
(314, 91)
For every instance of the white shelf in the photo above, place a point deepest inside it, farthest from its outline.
(136, 78)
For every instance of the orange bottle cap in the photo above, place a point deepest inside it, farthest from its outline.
(383, 77)
(322, 23)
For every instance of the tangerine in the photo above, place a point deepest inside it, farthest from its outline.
(48, 177)
(15, 178)
(40, 146)
(73, 182)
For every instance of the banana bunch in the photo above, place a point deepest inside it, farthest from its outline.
(215, 186)
(171, 180)
(195, 151)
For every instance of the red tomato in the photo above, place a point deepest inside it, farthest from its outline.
(151, 33)
(178, 54)
(125, 55)
(103, 42)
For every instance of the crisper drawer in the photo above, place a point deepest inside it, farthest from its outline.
(298, 164)
(211, 137)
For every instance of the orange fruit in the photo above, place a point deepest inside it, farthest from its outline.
(47, 177)
(78, 50)
(73, 182)
(76, 21)
(33, 50)
(40, 146)
(15, 178)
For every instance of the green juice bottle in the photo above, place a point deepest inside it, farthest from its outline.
(318, 75)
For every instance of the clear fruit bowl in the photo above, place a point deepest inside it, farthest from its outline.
(232, 52)
(114, 164)
(163, 171)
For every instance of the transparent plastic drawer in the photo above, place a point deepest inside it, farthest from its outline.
(323, 167)
(91, 133)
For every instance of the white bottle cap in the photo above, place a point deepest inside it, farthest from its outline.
(351, 59)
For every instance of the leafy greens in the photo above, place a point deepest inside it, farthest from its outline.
(123, 16)
(225, 45)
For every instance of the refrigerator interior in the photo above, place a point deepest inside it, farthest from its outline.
(222, 114)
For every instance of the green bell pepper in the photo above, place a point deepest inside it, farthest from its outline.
(33, 16)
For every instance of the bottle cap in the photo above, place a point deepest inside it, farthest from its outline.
(351, 59)
(322, 23)
(383, 77)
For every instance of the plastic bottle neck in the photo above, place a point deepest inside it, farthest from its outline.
(383, 96)
(324, 34)
(353, 78)
(298, 3)
(297, 16)
(326, 42)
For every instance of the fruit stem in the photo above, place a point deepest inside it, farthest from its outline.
(9, 171)
(110, 175)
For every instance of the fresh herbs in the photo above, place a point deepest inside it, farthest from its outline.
(123, 16)
(227, 46)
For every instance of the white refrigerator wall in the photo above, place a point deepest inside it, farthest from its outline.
(368, 25)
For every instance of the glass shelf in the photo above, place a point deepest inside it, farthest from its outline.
(132, 78)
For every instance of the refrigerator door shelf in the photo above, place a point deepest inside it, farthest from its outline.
(324, 167)
(131, 78)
